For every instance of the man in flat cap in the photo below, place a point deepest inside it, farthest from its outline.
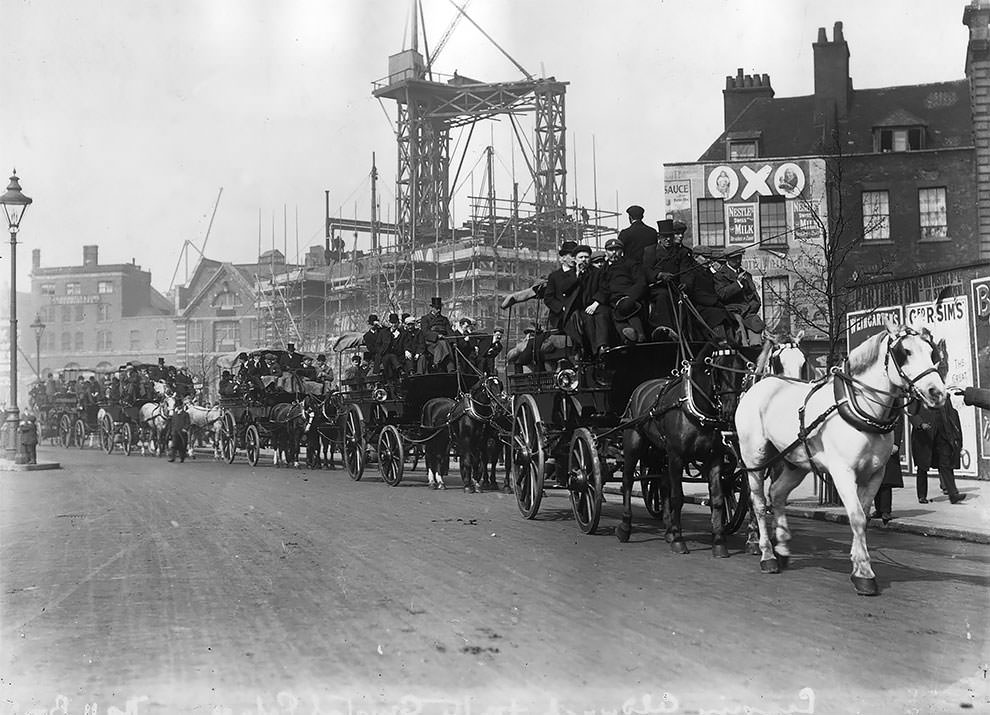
(637, 236)
(622, 288)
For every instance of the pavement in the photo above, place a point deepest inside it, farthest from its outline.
(968, 520)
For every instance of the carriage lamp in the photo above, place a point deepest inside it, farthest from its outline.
(379, 394)
(14, 204)
(566, 379)
(39, 329)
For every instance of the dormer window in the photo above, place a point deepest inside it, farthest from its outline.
(741, 150)
(887, 139)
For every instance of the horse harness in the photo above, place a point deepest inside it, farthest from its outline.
(848, 406)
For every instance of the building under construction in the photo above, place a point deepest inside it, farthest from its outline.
(506, 245)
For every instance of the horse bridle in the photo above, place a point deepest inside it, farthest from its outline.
(910, 387)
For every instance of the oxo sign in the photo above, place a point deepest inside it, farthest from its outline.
(748, 182)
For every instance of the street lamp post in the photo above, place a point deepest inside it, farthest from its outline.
(39, 329)
(14, 205)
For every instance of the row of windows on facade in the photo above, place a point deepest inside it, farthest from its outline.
(75, 288)
(932, 218)
(892, 139)
(76, 341)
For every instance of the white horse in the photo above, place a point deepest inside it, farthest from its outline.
(154, 417)
(204, 420)
(843, 426)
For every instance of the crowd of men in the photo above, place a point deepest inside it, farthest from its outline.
(264, 373)
(406, 345)
(635, 293)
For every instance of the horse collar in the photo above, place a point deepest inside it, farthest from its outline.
(852, 413)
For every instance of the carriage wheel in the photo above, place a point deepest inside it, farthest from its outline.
(354, 448)
(252, 444)
(390, 457)
(79, 432)
(65, 431)
(528, 457)
(651, 497)
(106, 433)
(127, 435)
(228, 437)
(735, 495)
(585, 481)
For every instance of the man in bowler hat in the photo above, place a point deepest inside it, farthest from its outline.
(435, 325)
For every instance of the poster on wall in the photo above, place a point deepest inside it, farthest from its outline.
(948, 320)
(981, 339)
(677, 203)
(863, 325)
(742, 223)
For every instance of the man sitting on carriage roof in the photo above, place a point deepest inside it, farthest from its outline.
(413, 346)
(622, 288)
(667, 266)
(737, 292)
(591, 327)
(435, 326)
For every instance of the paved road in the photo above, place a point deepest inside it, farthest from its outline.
(205, 585)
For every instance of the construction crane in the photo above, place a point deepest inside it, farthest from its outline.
(187, 244)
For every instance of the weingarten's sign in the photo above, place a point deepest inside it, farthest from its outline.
(73, 299)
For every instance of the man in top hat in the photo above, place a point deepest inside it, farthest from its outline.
(291, 360)
(622, 288)
(637, 236)
(666, 267)
(562, 288)
(736, 290)
(434, 326)
(227, 386)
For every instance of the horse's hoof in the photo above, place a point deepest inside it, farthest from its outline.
(753, 548)
(769, 566)
(679, 546)
(720, 551)
(441, 486)
(622, 532)
(865, 586)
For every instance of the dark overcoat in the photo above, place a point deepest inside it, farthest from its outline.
(635, 238)
(939, 444)
(559, 295)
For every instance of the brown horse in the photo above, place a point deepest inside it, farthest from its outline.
(477, 416)
(436, 449)
(684, 417)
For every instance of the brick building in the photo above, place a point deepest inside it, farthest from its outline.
(96, 315)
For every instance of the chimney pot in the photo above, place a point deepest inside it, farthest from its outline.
(766, 80)
(837, 32)
(822, 37)
(35, 258)
(91, 255)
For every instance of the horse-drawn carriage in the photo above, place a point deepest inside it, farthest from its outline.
(134, 412)
(262, 409)
(568, 431)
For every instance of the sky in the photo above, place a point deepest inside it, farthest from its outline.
(124, 119)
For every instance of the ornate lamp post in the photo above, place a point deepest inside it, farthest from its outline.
(14, 205)
(39, 329)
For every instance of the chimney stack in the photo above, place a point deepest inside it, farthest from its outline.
(833, 86)
(91, 255)
(35, 259)
(741, 90)
(976, 16)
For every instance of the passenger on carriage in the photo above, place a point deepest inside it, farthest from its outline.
(590, 324)
(737, 291)
(51, 386)
(489, 349)
(291, 360)
(227, 386)
(113, 391)
(465, 346)
(637, 237)
(525, 353)
(413, 346)
(622, 288)
(376, 340)
(324, 372)
(718, 323)
(392, 350)
(354, 375)
(666, 266)
(562, 288)
(434, 326)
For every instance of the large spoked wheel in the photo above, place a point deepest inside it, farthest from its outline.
(65, 431)
(651, 497)
(127, 437)
(585, 481)
(79, 432)
(228, 437)
(735, 495)
(354, 448)
(252, 444)
(106, 433)
(528, 456)
(390, 458)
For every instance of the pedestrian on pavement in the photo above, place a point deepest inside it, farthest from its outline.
(29, 439)
(891, 478)
(936, 441)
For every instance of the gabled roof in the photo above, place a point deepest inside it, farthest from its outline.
(788, 124)
(222, 270)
